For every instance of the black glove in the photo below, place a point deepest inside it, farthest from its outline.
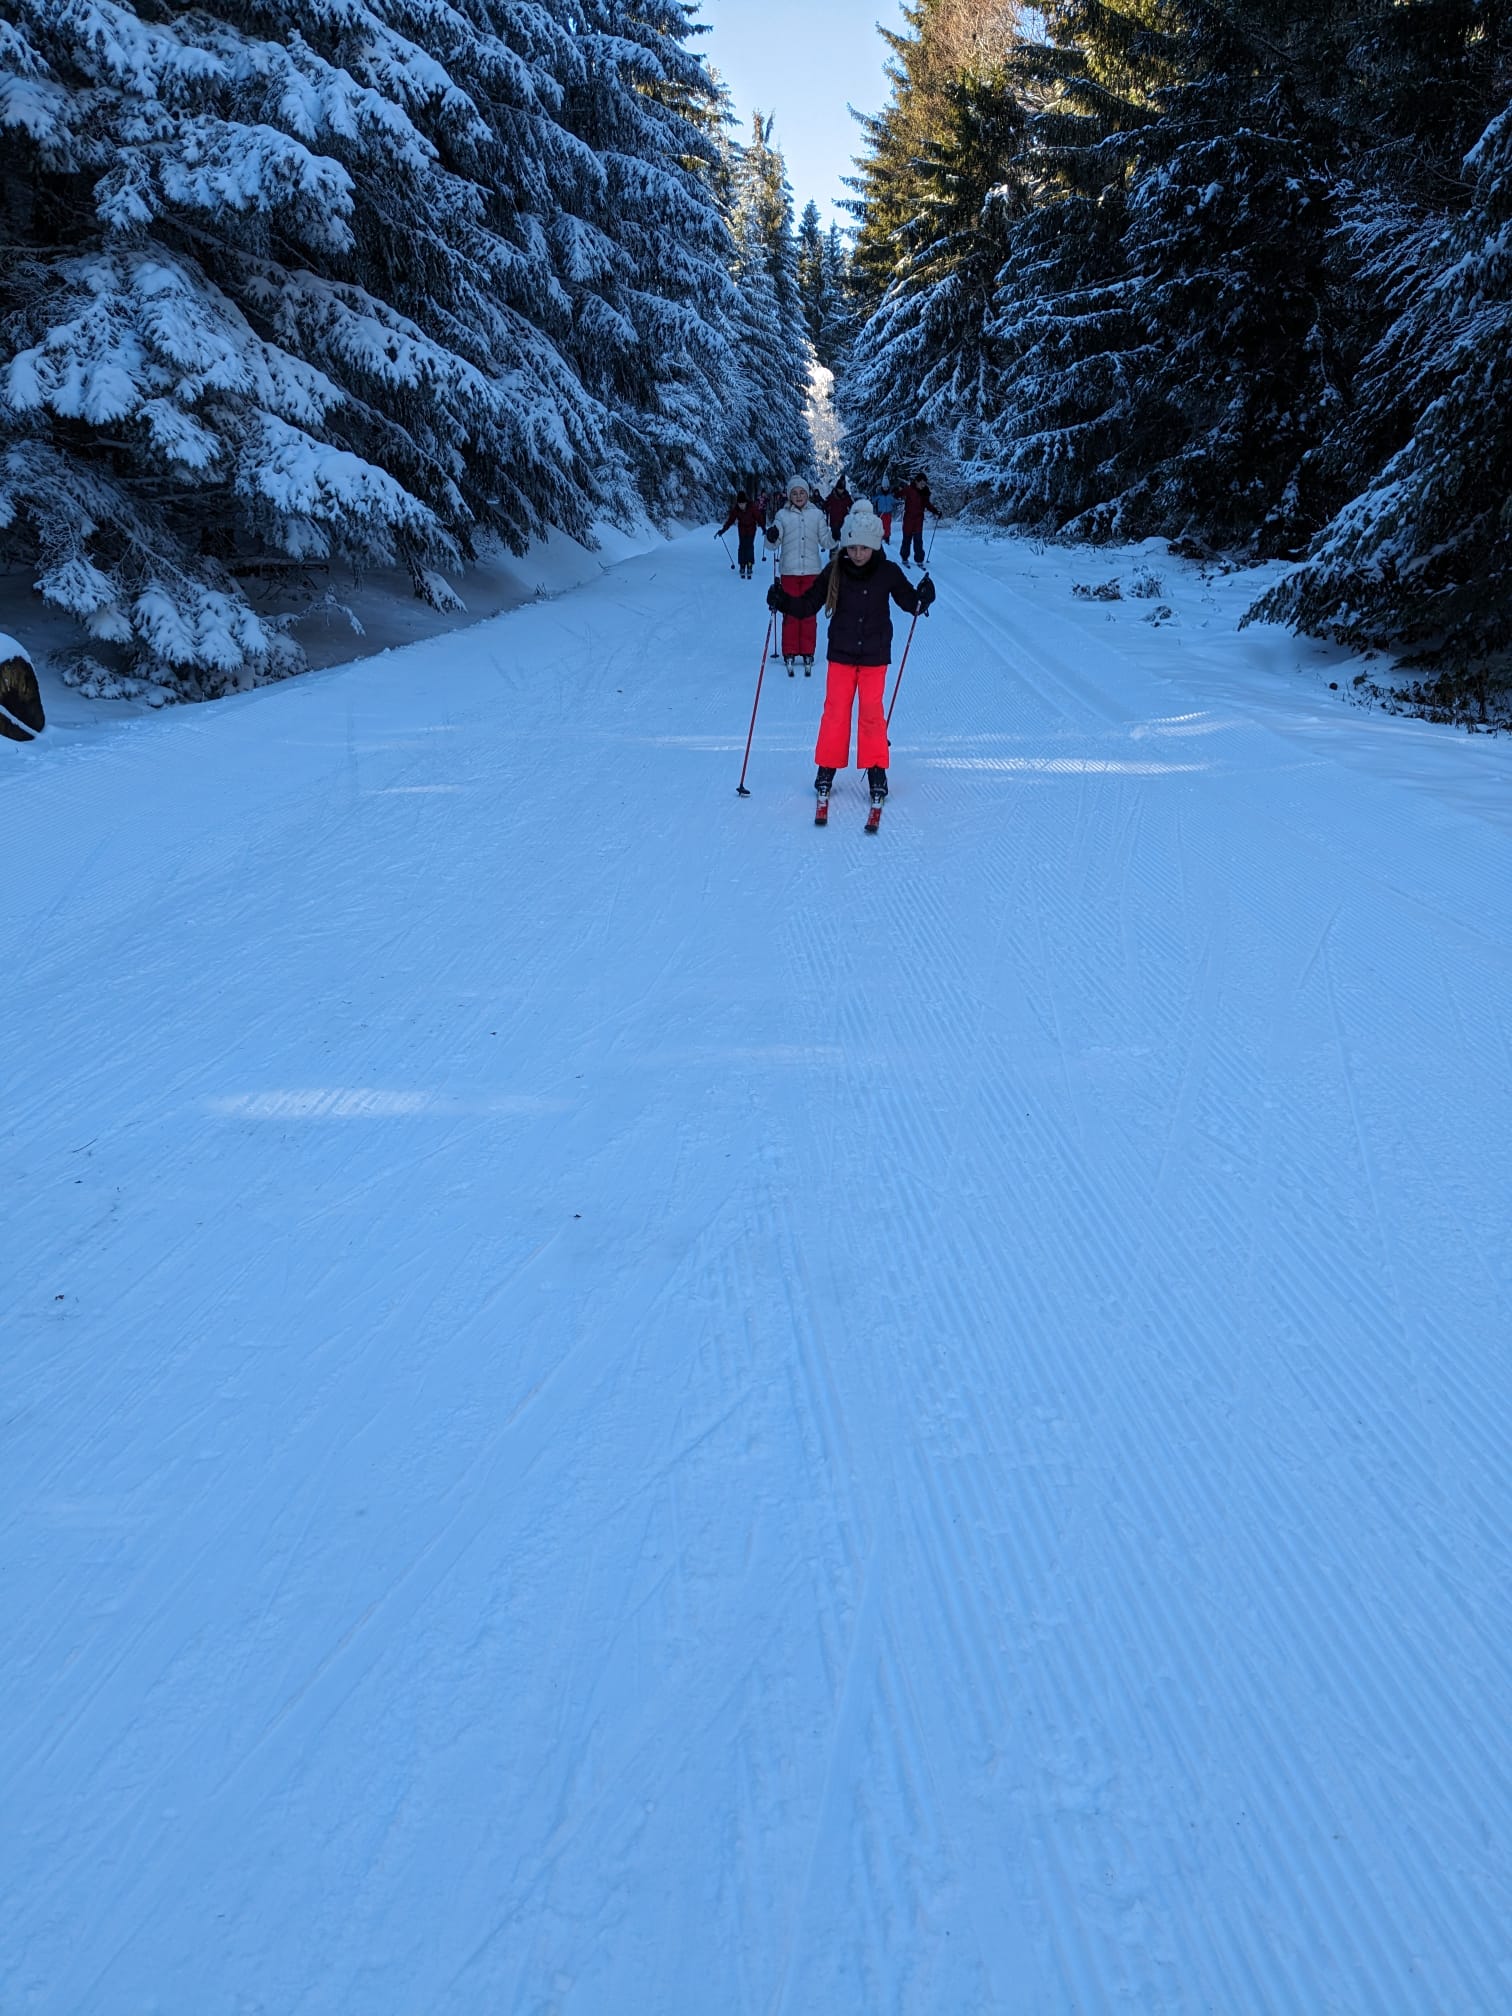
(773, 535)
(775, 597)
(926, 592)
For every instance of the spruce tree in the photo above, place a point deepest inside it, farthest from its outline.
(299, 285)
(278, 295)
(921, 372)
(837, 312)
(645, 251)
(1238, 316)
(773, 345)
(1064, 328)
(811, 273)
(940, 42)
(1421, 560)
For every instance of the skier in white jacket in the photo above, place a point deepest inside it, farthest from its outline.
(800, 531)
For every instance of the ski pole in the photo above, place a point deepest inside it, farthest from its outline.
(721, 538)
(740, 788)
(887, 722)
(932, 538)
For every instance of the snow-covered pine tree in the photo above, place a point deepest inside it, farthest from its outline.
(772, 337)
(645, 251)
(824, 283)
(1233, 295)
(838, 320)
(277, 294)
(940, 42)
(919, 376)
(1170, 313)
(1421, 560)
(811, 278)
(1064, 329)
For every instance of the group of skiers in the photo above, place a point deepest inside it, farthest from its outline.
(832, 556)
(750, 515)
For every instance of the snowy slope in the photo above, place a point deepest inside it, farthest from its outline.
(616, 1405)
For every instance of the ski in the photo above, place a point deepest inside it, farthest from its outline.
(821, 812)
(874, 816)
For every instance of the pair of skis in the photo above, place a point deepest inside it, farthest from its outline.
(873, 816)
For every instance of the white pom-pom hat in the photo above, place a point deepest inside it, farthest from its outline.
(862, 527)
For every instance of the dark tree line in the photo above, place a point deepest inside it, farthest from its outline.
(1238, 274)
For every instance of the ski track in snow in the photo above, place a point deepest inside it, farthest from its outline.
(616, 1404)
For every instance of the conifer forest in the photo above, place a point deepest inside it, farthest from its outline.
(294, 285)
(758, 1266)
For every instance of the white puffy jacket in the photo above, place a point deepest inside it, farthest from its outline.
(805, 537)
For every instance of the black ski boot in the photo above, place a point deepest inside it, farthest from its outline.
(808, 668)
(789, 664)
(876, 777)
(823, 779)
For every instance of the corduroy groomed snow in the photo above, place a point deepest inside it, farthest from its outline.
(862, 527)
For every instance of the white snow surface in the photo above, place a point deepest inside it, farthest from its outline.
(614, 1404)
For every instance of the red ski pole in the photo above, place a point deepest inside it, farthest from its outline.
(899, 680)
(740, 788)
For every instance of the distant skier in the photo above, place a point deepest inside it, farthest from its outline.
(885, 504)
(746, 518)
(837, 508)
(916, 501)
(853, 590)
(800, 534)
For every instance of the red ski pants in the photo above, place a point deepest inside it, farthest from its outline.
(832, 750)
(887, 518)
(800, 634)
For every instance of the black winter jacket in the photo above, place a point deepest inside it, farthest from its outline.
(860, 631)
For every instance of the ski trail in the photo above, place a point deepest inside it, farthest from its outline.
(615, 1403)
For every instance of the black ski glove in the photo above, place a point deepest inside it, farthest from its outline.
(775, 597)
(926, 593)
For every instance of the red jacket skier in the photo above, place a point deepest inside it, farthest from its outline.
(916, 501)
(855, 589)
(746, 517)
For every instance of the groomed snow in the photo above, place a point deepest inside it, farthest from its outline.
(616, 1405)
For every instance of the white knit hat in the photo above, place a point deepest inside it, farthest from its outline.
(799, 483)
(862, 527)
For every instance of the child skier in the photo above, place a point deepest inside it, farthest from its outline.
(837, 509)
(854, 589)
(885, 504)
(800, 534)
(746, 517)
(916, 501)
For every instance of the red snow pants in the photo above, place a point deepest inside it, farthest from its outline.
(844, 682)
(887, 518)
(800, 634)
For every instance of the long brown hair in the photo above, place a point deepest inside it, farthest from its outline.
(834, 588)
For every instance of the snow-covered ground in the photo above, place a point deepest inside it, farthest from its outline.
(347, 616)
(614, 1404)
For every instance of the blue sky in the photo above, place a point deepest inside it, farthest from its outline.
(805, 60)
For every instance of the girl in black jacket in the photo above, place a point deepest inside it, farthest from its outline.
(854, 591)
